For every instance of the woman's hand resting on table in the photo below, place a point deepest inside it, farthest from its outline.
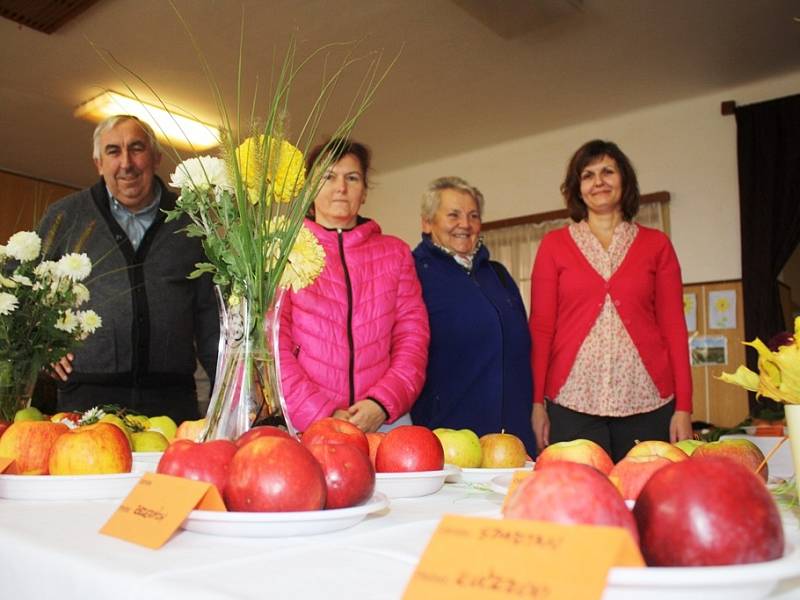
(680, 426)
(365, 414)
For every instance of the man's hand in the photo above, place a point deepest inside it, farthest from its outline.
(62, 368)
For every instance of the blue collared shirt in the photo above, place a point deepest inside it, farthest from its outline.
(135, 224)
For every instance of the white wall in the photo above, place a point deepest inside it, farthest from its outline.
(686, 148)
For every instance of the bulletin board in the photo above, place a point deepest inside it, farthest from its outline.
(715, 319)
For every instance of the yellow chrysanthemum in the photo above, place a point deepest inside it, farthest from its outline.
(306, 261)
(277, 163)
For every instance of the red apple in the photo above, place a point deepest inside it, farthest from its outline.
(570, 493)
(739, 450)
(97, 449)
(335, 430)
(273, 474)
(200, 461)
(29, 444)
(409, 448)
(707, 511)
(260, 431)
(658, 448)
(631, 473)
(581, 451)
(349, 474)
(374, 438)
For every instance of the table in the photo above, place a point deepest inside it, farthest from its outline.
(53, 550)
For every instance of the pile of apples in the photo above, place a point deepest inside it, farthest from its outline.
(463, 448)
(707, 505)
(332, 466)
(71, 443)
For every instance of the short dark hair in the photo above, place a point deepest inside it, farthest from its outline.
(337, 148)
(584, 156)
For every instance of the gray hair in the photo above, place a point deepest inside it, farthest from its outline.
(113, 121)
(431, 197)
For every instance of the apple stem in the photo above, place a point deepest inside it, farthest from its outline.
(770, 453)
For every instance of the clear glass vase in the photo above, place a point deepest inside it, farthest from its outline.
(17, 380)
(247, 388)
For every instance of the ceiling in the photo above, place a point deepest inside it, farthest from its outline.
(470, 73)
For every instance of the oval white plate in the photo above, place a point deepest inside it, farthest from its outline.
(467, 475)
(67, 487)
(412, 484)
(145, 461)
(734, 582)
(281, 524)
(500, 483)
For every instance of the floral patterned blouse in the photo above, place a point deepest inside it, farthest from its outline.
(608, 377)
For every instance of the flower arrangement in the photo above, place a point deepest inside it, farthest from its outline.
(247, 205)
(778, 374)
(40, 320)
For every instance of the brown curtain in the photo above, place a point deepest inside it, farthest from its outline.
(768, 148)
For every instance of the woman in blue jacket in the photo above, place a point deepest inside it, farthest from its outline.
(479, 374)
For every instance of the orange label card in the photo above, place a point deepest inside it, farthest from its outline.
(8, 466)
(519, 477)
(471, 558)
(157, 506)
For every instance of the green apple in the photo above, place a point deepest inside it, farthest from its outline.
(462, 447)
(149, 441)
(689, 445)
(163, 424)
(28, 414)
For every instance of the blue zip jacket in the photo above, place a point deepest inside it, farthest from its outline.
(479, 373)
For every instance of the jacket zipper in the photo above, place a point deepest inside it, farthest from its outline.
(350, 343)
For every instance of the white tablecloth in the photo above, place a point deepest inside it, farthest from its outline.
(52, 550)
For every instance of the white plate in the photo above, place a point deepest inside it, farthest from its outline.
(736, 582)
(281, 524)
(67, 487)
(466, 475)
(144, 462)
(413, 484)
(501, 483)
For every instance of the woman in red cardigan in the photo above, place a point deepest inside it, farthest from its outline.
(610, 354)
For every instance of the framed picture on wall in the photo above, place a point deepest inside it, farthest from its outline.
(722, 309)
(708, 350)
(690, 311)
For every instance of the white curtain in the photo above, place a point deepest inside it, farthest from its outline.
(516, 246)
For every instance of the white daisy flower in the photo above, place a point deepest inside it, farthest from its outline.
(24, 246)
(90, 320)
(74, 266)
(8, 302)
(81, 294)
(68, 321)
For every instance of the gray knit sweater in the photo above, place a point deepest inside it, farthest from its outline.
(153, 316)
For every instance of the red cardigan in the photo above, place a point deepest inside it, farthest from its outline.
(567, 295)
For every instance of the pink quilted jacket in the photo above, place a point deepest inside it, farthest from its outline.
(339, 343)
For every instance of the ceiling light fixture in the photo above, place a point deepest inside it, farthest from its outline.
(171, 127)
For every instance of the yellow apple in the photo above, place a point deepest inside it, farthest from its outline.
(149, 441)
(658, 448)
(98, 449)
(461, 447)
(580, 451)
(163, 424)
(502, 451)
(689, 446)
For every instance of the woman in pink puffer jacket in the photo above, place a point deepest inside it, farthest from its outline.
(354, 344)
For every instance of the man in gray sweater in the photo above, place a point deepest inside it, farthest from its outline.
(156, 322)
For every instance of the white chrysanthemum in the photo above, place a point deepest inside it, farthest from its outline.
(24, 246)
(68, 322)
(81, 294)
(44, 269)
(90, 321)
(8, 303)
(201, 173)
(74, 266)
(22, 280)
